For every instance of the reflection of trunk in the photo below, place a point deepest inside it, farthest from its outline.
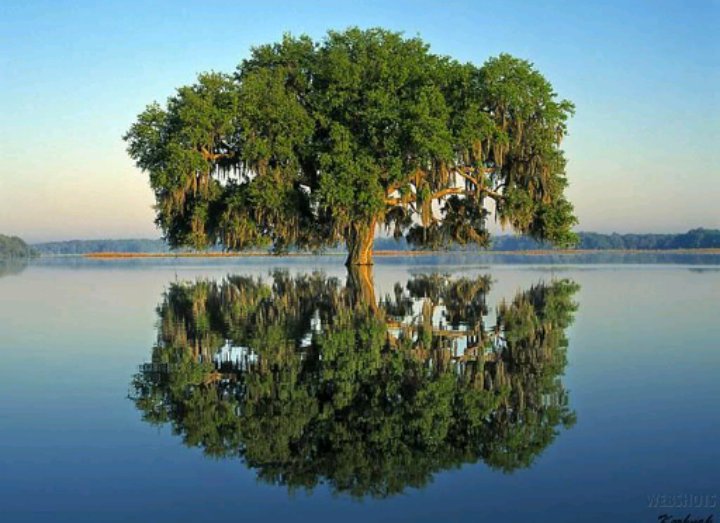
(360, 243)
(361, 286)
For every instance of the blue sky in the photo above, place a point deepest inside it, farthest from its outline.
(644, 152)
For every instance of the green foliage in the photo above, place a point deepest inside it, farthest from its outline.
(313, 143)
(12, 247)
(308, 384)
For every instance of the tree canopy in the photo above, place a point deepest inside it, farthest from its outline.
(308, 382)
(13, 247)
(309, 144)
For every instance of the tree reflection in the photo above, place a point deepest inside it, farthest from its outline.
(308, 380)
(10, 266)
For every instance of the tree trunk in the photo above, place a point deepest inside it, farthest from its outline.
(362, 287)
(360, 243)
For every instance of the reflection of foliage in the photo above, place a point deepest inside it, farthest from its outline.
(307, 384)
(12, 266)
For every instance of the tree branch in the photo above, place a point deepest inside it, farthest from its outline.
(445, 192)
(468, 177)
(207, 155)
(395, 186)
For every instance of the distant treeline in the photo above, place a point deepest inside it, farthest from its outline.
(694, 239)
(12, 247)
(86, 246)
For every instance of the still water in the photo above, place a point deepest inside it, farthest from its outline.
(286, 389)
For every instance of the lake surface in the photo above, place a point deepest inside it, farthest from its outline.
(430, 389)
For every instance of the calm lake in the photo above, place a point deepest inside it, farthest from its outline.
(431, 389)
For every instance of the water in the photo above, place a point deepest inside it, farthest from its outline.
(171, 390)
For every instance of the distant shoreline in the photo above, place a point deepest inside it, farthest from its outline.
(694, 240)
(388, 254)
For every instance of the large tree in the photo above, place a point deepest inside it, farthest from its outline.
(310, 144)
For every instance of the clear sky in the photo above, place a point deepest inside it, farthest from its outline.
(644, 148)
